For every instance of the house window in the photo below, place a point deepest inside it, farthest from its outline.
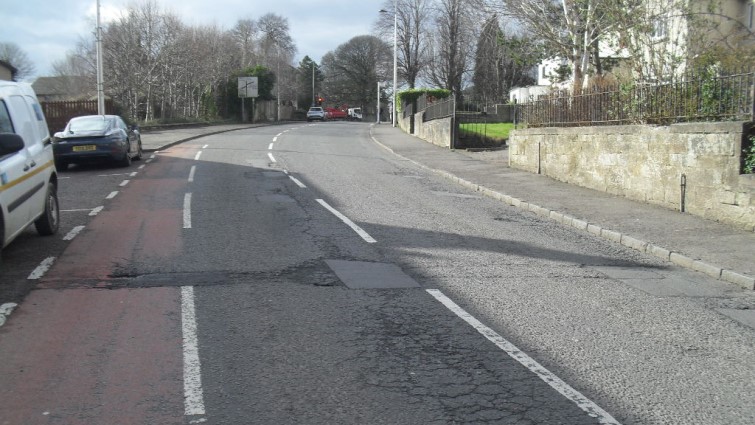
(660, 27)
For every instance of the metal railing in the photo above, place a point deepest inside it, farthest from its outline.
(440, 109)
(695, 98)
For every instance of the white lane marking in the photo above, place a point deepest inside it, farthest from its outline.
(111, 175)
(298, 183)
(193, 395)
(348, 222)
(96, 211)
(278, 135)
(270, 147)
(77, 210)
(148, 161)
(275, 139)
(112, 195)
(124, 183)
(592, 409)
(196, 157)
(205, 146)
(133, 174)
(152, 157)
(191, 173)
(187, 211)
(73, 233)
(272, 158)
(5, 311)
(141, 167)
(42, 268)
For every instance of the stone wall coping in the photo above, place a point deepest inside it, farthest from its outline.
(682, 128)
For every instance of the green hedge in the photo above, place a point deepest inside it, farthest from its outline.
(410, 96)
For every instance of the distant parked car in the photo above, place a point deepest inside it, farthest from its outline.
(96, 138)
(316, 113)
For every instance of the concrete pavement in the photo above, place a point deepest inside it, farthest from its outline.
(716, 249)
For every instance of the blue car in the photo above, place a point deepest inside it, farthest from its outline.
(97, 138)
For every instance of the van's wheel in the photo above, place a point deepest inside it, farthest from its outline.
(49, 222)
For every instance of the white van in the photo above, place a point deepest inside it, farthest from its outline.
(28, 179)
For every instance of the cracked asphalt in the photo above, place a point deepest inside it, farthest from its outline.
(282, 339)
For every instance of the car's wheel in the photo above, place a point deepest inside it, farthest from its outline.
(61, 165)
(139, 151)
(126, 161)
(49, 222)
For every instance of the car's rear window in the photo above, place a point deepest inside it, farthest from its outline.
(88, 124)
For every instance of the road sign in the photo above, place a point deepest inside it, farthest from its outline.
(248, 87)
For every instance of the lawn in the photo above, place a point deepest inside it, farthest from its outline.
(495, 131)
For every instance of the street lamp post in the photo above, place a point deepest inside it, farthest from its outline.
(395, 57)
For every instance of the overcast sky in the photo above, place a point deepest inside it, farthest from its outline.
(47, 29)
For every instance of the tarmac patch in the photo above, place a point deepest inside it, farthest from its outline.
(366, 275)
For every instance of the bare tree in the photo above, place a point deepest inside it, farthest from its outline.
(412, 29)
(16, 57)
(353, 70)
(453, 44)
(569, 28)
(244, 35)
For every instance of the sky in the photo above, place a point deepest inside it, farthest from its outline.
(48, 29)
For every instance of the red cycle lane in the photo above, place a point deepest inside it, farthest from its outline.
(75, 352)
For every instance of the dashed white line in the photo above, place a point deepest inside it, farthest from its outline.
(272, 158)
(592, 409)
(73, 233)
(148, 161)
(5, 311)
(205, 146)
(298, 183)
(152, 156)
(278, 135)
(193, 394)
(96, 211)
(270, 147)
(42, 268)
(196, 157)
(275, 139)
(133, 174)
(191, 173)
(124, 183)
(112, 195)
(187, 211)
(141, 167)
(364, 235)
(77, 210)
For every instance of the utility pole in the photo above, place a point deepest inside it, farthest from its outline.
(100, 83)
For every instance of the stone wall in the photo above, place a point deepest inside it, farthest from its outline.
(648, 164)
(437, 132)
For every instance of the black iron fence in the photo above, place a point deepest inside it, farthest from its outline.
(695, 98)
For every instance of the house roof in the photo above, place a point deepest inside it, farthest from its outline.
(71, 86)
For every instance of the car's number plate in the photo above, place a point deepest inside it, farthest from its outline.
(84, 148)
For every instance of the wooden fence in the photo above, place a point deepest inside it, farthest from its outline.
(58, 113)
